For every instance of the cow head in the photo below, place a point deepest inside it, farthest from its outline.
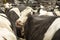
(24, 16)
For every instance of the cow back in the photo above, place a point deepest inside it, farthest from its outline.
(36, 26)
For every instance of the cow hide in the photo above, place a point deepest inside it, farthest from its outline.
(37, 26)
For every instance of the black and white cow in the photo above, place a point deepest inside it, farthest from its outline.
(23, 18)
(40, 27)
(55, 11)
(6, 33)
(13, 13)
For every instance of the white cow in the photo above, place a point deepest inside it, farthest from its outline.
(57, 12)
(44, 12)
(5, 29)
(6, 32)
(24, 16)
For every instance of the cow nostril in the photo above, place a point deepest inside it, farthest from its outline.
(19, 24)
(19, 21)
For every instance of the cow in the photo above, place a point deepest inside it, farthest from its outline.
(55, 11)
(23, 18)
(6, 33)
(40, 27)
(13, 13)
(43, 11)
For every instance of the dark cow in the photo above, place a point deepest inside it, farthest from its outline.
(39, 27)
(42, 28)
